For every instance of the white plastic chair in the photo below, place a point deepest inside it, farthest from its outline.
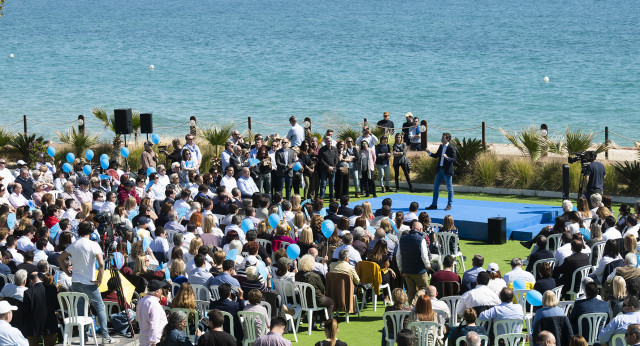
(444, 239)
(452, 303)
(515, 339)
(584, 272)
(228, 316)
(486, 324)
(306, 291)
(202, 293)
(597, 250)
(557, 291)
(109, 307)
(175, 287)
(3, 280)
(215, 295)
(397, 322)
(557, 239)
(267, 246)
(442, 321)
(596, 322)
(71, 301)
(426, 332)
(484, 340)
(248, 320)
(566, 305)
(507, 327)
(375, 296)
(618, 340)
(170, 234)
(551, 261)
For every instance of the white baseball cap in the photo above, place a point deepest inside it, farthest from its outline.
(493, 267)
(6, 307)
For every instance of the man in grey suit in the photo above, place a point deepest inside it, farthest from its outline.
(285, 158)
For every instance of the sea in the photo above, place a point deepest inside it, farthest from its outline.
(455, 63)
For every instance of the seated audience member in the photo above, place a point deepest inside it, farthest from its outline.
(629, 271)
(610, 230)
(564, 250)
(545, 282)
(343, 266)
(632, 335)
(481, 296)
(226, 277)
(200, 275)
(496, 283)
(549, 308)
(254, 281)
(506, 310)
(16, 289)
(216, 336)
(619, 295)
(173, 333)
(619, 324)
(447, 273)
(344, 209)
(354, 255)
(226, 304)
(331, 332)
(307, 275)
(518, 273)
(469, 277)
(545, 338)
(255, 297)
(609, 255)
(470, 326)
(9, 335)
(358, 243)
(274, 337)
(540, 254)
(563, 273)
(405, 337)
(591, 304)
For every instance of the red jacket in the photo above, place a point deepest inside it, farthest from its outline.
(123, 195)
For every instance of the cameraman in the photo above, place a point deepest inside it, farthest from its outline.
(593, 177)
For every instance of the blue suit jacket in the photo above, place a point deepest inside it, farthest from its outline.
(586, 306)
(449, 161)
(231, 307)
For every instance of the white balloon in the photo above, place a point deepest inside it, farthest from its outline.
(151, 67)
(11, 55)
(546, 79)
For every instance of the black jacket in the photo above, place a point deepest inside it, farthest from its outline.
(449, 161)
(39, 306)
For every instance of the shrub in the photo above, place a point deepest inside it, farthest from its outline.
(5, 138)
(519, 174)
(425, 169)
(629, 173)
(529, 142)
(575, 174)
(485, 170)
(548, 177)
(467, 152)
(610, 179)
(347, 132)
(77, 141)
(29, 146)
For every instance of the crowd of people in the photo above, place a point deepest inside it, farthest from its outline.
(234, 233)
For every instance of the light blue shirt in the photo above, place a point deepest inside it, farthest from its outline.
(619, 325)
(547, 312)
(504, 311)
(354, 255)
(470, 276)
(518, 273)
(296, 135)
(225, 278)
(195, 151)
(247, 186)
(201, 276)
(11, 336)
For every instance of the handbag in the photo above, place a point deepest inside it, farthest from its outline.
(343, 170)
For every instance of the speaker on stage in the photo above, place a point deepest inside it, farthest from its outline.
(497, 230)
(565, 182)
(146, 123)
(123, 122)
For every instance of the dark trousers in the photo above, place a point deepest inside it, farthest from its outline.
(342, 184)
(405, 169)
(368, 185)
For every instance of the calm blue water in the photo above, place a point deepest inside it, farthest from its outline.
(456, 63)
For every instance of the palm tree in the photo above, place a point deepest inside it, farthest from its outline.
(579, 142)
(79, 142)
(530, 142)
(217, 137)
(5, 138)
(109, 122)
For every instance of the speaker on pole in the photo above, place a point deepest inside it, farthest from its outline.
(146, 123)
(497, 230)
(123, 121)
(565, 182)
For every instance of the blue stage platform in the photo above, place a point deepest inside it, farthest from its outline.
(524, 221)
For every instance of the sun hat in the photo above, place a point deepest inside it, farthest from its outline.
(493, 267)
(6, 307)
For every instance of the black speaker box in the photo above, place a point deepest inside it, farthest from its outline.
(146, 123)
(124, 124)
(497, 230)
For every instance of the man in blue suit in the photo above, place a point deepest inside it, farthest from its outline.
(590, 304)
(226, 304)
(446, 156)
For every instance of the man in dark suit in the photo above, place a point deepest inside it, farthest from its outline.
(564, 272)
(587, 306)
(333, 213)
(446, 156)
(344, 209)
(39, 307)
(541, 253)
(226, 304)
(285, 158)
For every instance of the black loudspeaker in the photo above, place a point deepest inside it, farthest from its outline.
(497, 230)
(146, 123)
(124, 124)
(565, 182)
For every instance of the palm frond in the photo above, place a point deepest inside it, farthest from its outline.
(5, 137)
(217, 137)
(347, 132)
(107, 120)
(529, 142)
(577, 141)
(77, 141)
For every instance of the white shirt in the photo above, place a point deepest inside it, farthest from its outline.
(11, 336)
(156, 192)
(7, 176)
(444, 150)
(160, 244)
(108, 206)
(224, 158)
(151, 318)
(180, 203)
(565, 251)
(247, 186)
(371, 139)
(83, 257)
(296, 135)
(632, 230)
(195, 152)
(481, 295)
(38, 256)
(24, 244)
(611, 233)
(229, 183)
(18, 200)
(497, 285)
(410, 216)
(17, 257)
(12, 291)
(518, 273)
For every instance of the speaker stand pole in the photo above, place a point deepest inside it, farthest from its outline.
(126, 160)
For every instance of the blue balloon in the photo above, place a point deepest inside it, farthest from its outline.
(150, 170)
(11, 220)
(247, 225)
(70, 157)
(534, 298)
(518, 284)
(293, 251)
(67, 167)
(274, 220)
(104, 157)
(146, 241)
(297, 166)
(231, 254)
(155, 138)
(128, 248)
(124, 152)
(327, 228)
(89, 154)
(104, 164)
(86, 169)
(118, 260)
(51, 151)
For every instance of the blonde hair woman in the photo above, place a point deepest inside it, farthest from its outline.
(195, 244)
(549, 308)
(619, 295)
(211, 235)
(299, 222)
(366, 211)
(186, 299)
(130, 204)
(296, 200)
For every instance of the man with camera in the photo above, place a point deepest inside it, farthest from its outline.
(594, 174)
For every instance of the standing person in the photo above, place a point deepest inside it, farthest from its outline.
(149, 157)
(400, 160)
(366, 166)
(446, 156)
(285, 158)
(84, 253)
(415, 138)
(191, 145)
(150, 315)
(593, 177)
(408, 117)
(314, 174)
(352, 153)
(383, 153)
(385, 123)
(264, 169)
(367, 136)
(342, 175)
(327, 163)
(40, 304)
(414, 259)
(296, 133)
